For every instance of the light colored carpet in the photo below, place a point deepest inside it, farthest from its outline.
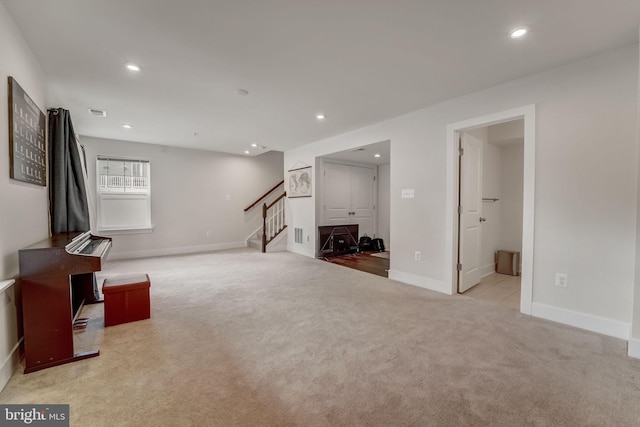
(241, 338)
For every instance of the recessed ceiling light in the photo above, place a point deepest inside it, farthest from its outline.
(133, 67)
(247, 152)
(254, 145)
(242, 92)
(519, 33)
(126, 126)
(320, 116)
(376, 155)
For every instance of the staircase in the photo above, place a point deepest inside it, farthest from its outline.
(272, 236)
(278, 244)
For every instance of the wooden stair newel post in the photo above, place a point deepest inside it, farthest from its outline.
(264, 227)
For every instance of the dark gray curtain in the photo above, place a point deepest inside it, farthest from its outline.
(68, 206)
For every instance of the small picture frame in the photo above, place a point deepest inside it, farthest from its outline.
(300, 181)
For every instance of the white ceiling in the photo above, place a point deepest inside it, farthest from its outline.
(366, 154)
(357, 61)
(507, 133)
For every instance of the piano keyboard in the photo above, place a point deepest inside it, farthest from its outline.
(91, 247)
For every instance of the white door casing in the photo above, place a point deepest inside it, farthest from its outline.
(528, 113)
(470, 245)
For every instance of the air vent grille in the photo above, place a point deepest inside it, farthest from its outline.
(98, 113)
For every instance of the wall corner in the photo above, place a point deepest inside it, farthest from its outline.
(634, 341)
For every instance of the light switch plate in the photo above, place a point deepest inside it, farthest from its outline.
(408, 193)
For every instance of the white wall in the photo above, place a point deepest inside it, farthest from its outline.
(512, 181)
(23, 207)
(502, 179)
(586, 146)
(491, 188)
(634, 342)
(197, 197)
(384, 204)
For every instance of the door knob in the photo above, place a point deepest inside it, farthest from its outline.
(482, 219)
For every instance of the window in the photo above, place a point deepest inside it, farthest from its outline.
(124, 195)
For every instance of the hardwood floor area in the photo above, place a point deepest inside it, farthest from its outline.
(363, 261)
(501, 289)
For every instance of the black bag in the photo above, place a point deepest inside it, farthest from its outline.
(340, 243)
(364, 244)
(377, 245)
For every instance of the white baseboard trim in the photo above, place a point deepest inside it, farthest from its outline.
(601, 325)
(487, 270)
(420, 281)
(176, 251)
(9, 366)
(300, 249)
(633, 349)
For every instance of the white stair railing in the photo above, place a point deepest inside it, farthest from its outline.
(272, 220)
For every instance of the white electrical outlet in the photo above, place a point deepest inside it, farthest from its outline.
(562, 280)
(418, 255)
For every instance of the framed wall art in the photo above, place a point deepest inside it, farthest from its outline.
(27, 146)
(299, 182)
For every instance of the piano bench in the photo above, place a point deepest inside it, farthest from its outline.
(126, 299)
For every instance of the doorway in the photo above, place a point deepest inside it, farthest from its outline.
(354, 189)
(454, 131)
(490, 223)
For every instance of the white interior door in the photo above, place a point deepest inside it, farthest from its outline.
(362, 199)
(470, 212)
(336, 194)
(349, 194)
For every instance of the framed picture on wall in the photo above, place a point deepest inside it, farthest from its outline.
(27, 149)
(300, 182)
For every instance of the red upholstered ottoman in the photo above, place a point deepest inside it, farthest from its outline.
(126, 299)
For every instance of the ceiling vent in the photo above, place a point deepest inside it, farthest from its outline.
(357, 149)
(97, 113)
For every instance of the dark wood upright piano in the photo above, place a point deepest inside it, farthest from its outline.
(58, 277)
